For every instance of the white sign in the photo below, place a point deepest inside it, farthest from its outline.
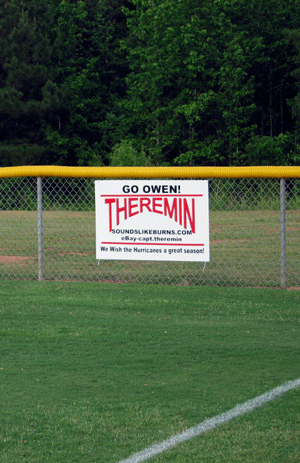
(152, 220)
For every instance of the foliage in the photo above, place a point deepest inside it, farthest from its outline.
(267, 150)
(193, 89)
(124, 154)
(57, 82)
(189, 83)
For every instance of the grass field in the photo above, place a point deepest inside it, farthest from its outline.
(93, 372)
(245, 251)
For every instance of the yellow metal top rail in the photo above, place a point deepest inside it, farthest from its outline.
(152, 172)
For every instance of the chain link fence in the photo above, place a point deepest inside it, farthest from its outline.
(254, 235)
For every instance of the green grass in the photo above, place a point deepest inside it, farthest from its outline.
(245, 251)
(94, 372)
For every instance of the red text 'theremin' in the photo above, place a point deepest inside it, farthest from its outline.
(182, 210)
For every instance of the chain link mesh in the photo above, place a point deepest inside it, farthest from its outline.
(245, 235)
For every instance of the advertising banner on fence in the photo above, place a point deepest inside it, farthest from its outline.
(152, 220)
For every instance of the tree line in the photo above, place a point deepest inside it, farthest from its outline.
(149, 82)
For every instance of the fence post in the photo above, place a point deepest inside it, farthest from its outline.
(40, 228)
(283, 233)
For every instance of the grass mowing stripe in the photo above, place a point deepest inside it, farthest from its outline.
(211, 423)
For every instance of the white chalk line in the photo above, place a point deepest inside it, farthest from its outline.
(211, 423)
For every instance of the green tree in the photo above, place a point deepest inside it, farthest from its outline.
(124, 154)
(157, 45)
(25, 56)
(60, 79)
(272, 72)
(76, 131)
(189, 96)
(206, 77)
